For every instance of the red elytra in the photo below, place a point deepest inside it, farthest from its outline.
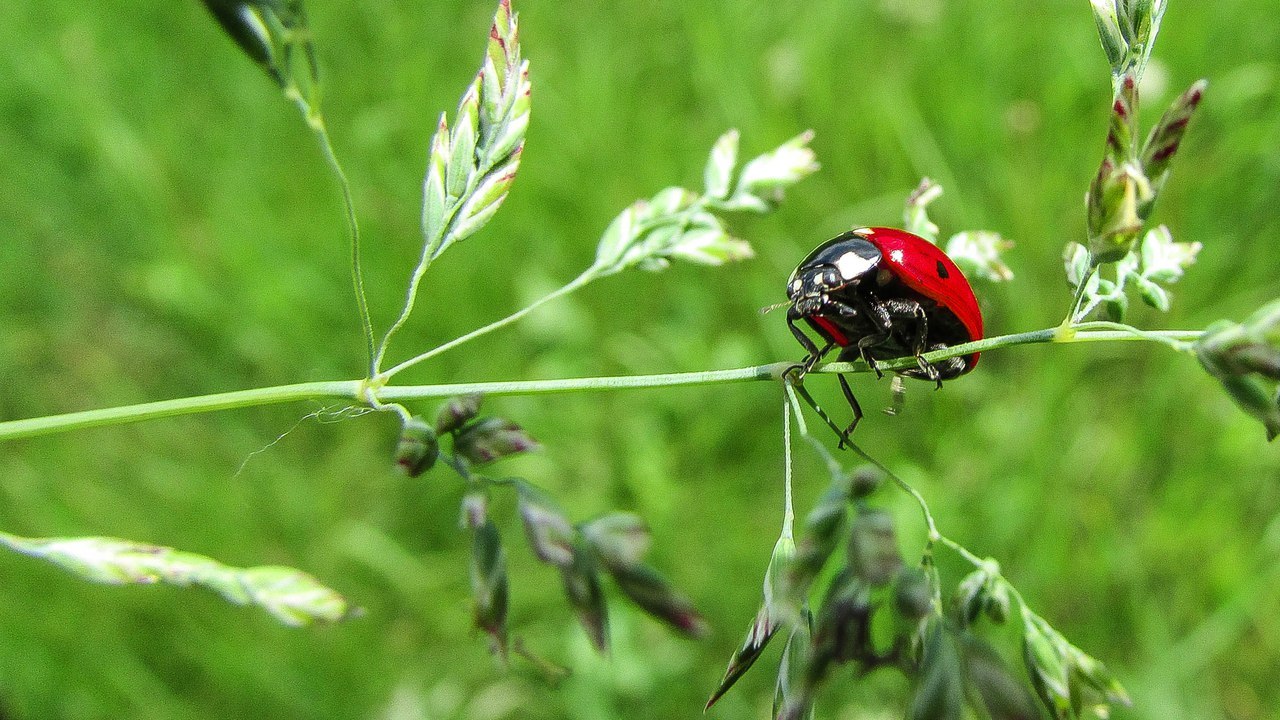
(925, 268)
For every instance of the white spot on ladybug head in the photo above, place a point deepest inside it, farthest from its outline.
(852, 265)
(896, 256)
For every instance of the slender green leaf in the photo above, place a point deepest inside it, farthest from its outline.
(291, 596)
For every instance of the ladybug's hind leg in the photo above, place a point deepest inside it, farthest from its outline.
(939, 371)
(951, 367)
(853, 405)
(906, 320)
(913, 312)
(928, 371)
(906, 310)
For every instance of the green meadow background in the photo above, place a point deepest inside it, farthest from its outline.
(168, 228)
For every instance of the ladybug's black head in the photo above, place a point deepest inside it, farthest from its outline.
(837, 264)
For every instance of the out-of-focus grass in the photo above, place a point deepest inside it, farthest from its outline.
(169, 229)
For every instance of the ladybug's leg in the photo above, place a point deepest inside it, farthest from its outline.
(881, 313)
(946, 369)
(911, 309)
(804, 394)
(864, 351)
(815, 353)
(867, 309)
(816, 357)
(929, 371)
(853, 404)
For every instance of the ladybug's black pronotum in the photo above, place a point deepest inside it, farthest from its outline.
(880, 293)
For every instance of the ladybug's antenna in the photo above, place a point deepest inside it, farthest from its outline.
(776, 306)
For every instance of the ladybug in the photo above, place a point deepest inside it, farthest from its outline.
(879, 293)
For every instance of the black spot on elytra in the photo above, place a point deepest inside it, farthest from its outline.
(942, 271)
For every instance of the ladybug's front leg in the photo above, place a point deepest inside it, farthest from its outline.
(815, 354)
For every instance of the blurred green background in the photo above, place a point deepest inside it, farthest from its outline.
(168, 228)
